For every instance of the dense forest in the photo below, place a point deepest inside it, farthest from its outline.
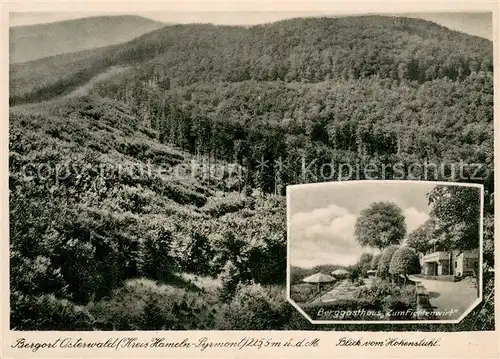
(299, 50)
(95, 245)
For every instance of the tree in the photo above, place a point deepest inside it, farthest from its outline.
(420, 238)
(230, 278)
(354, 273)
(196, 252)
(385, 261)
(155, 259)
(456, 210)
(489, 240)
(364, 264)
(404, 261)
(380, 225)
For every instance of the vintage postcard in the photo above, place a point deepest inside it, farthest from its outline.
(385, 251)
(249, 179)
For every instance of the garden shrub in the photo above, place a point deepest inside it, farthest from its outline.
(404, 261)
(397, 309)
(359, 282)
(409, 295)
(375, 261)
(377, 292)
(303, 293)
(385, 261)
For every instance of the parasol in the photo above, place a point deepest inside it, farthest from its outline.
(340, 272)
(319, 278)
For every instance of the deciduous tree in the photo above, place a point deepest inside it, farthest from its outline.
(380, 225)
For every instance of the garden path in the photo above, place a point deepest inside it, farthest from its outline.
(343, 290)
(449, 296)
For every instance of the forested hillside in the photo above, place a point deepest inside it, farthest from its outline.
(236, 115)
(301, 126)
(109, 215)
(304, 50)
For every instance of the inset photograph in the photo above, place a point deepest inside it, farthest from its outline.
(376, 251)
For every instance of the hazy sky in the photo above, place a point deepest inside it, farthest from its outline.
(322, 217)
(466, 22)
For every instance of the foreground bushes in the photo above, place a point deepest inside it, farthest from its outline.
(255, 306)
(46, 312)
(144, 305)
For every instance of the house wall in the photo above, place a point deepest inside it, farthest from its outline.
(443, 267)
(466, 262)
(456, 264)
(459, 264)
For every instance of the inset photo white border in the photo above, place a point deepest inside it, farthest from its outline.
(334, 258)
(476, 336)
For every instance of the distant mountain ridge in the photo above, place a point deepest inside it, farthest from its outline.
(474, 23)
(303, 49)
(32, 42)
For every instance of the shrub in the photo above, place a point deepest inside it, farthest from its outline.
(376, 293)
(387, 296)
(219, 206)
(409, 295)
(303, 293)
(195, 253)
(375, 261)
(155, 260)
(139, 200)
(359, 282)
(257, 307)
(385, 261)
(145, 305)
(364, 264)
(47, 312)
(181, 194)
(397, 309)
(230, 278)
(354, 274)
(404, 261)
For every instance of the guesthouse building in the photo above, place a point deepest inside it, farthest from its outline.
(456, 263)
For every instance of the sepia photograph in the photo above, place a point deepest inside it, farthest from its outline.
(396, 251)
(160, 162)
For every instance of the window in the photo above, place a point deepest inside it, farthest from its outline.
(456, 264)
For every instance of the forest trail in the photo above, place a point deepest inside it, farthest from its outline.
(78, 92)
(85, 88)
